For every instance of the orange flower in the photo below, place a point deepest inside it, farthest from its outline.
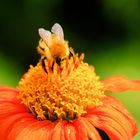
(62, 98)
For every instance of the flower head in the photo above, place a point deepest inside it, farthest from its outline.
(62, 98)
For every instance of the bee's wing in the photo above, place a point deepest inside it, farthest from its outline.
(44, 34)
(57, 30)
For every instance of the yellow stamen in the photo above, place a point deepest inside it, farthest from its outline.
(63, 92)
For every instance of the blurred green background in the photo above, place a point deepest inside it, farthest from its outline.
(107, 31)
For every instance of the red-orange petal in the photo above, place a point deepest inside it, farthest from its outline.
(4, 88)
(8, 94)
(113, 119)
(81, 133)
(9, 104)
(118, 106)
(91, 132)
(118, 84)
(6, 125)
(70, 132)
(58, 131)
(8, 109)
(31, 129)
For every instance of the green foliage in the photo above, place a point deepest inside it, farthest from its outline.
(9, 71)
(127, 11)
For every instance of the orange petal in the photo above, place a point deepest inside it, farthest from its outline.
(92, 133)
(4, 88)
(86, 130)
(114, 103)
(112, 123)
(7, 124)
(110, 127)
(118, 84)
(113, 119)
(30, 129)
(81, 133)
(9, 104)
(8, 108)
(8, 94)
(58, 131)
(70, 132)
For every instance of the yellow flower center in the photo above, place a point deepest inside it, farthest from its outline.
(62, 92)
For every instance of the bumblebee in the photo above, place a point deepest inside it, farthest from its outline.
(52, 45)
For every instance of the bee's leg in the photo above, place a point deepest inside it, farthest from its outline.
(71, 53)
(43, 64)
(52, 65)
(58, 60)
